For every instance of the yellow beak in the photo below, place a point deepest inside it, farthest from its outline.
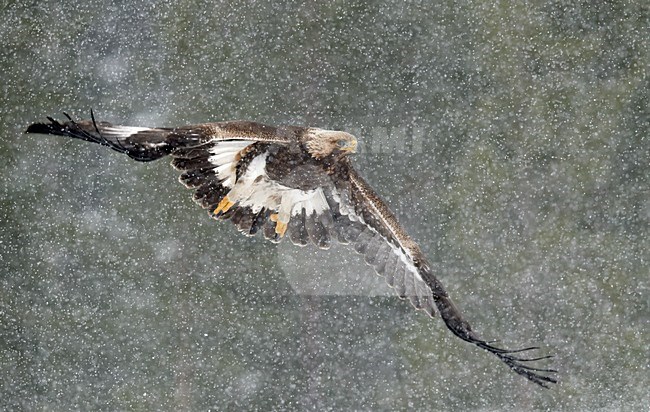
(351, 147)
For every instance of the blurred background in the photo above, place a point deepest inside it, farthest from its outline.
(511, 140)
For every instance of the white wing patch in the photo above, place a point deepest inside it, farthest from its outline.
(224, 156)
(312, 201)
(123, 131)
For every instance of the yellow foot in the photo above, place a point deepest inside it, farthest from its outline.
(280, 228)
(223, 206)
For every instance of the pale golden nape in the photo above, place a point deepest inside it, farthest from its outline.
(321, 143)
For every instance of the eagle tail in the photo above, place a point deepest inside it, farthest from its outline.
(520, 365)
(139, 143)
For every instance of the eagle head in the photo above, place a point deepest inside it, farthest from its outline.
(322, 143)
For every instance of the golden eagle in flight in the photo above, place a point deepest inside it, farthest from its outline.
(296, 183)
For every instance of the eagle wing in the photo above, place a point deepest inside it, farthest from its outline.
(364, 220)
(151, 143)
(338, 205)
(211, 156)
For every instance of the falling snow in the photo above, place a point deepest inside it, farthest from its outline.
(512, 140)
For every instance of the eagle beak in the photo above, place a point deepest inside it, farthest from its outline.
(351, 147)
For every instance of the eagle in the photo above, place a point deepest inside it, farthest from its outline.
(295, 183)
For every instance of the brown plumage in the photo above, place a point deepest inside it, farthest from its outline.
(296, 183)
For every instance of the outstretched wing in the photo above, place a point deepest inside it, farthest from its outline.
(212, 157)
(151, 143)
(365, 220)
(337, 204)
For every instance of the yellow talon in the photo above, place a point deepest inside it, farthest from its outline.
(223, 206)
(280, 228)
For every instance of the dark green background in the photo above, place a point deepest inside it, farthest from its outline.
(512, 141)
